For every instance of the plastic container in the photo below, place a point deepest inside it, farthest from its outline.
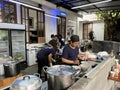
(1, 69)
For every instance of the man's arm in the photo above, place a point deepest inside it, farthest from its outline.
(70, 61)
(50, 58)
(49, 45)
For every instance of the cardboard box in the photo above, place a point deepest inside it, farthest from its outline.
(41, 39)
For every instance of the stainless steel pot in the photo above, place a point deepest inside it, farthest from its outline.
(11, 68)
(60, 77)
(27, 82)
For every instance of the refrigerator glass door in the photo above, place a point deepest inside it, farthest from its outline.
(18, 45)
(4, 43)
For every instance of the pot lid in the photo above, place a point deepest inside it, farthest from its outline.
(27, 82)
(59, 70)
(11, 62)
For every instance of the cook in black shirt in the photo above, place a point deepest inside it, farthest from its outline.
(45, 58)
(71, 51)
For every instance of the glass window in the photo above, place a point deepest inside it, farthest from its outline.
(1, 4)
(9, 12)
(61, 26)
(35, 22)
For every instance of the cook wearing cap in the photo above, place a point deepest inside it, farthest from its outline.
(71, 51)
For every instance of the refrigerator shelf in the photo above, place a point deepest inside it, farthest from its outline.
(3, 48)
(2, 51)
(17, 35)
(17, 41)
(19, 51)
(4, 41)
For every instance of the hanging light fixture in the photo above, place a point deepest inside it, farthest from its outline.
(48, 15)
(30, 6)
(24, 4)
(90, 4)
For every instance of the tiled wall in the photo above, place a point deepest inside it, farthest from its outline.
(106, 46)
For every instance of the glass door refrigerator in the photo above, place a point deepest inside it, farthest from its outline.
(13, 42)
(4, 43)
(18, 45)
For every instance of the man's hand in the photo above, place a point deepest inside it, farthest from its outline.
(53, 60)
(76, 62)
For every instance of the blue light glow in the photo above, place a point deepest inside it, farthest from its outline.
(1, 4)
(63, 13)
(54, 12)
(53, 21)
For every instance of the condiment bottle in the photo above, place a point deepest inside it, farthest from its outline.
(116, 62)
(112, 54)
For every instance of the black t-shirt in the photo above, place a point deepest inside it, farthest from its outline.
(69, 53)
(53, 43)
(44, 52)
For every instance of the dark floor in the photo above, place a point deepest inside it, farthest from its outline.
(30, 70)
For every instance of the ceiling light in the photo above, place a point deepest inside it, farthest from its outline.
(48, 15)
(30, 6)
(91, 4)
(71, 21)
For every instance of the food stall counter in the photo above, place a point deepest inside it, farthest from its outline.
(6, 81)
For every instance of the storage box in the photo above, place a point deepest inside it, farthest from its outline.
(41, 39)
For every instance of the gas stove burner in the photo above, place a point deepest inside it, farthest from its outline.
(81, 75)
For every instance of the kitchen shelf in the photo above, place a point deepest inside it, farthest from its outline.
(34, 36)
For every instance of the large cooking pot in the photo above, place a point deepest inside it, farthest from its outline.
(27, 82)
(11, 68)
(60, 77)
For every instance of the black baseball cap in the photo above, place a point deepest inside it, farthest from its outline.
(52, 35)
(74, 38)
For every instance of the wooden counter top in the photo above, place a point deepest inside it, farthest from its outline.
(7, 81)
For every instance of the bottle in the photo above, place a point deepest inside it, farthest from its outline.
(112, 54)
(116, 62)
